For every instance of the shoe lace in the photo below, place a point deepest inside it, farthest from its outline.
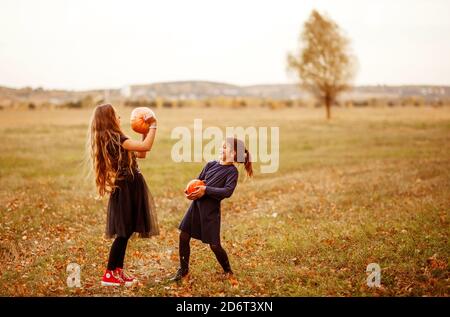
(118, 276)
(124, 275)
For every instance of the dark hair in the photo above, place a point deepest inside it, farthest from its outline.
(241, 154)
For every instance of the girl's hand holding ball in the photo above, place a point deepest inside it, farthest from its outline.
(195, 189)
(142, 119)
(198, 193)
(151, 120)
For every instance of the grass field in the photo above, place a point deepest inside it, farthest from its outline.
(372, 185)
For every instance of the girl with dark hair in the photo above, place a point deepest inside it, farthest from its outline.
(202, 219)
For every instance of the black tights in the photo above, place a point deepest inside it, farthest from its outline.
(185, 252)
(117, 253)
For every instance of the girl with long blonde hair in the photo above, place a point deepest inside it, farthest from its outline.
(130, 207)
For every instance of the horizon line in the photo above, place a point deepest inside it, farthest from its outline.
(210, 81)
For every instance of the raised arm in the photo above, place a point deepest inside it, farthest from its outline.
(142, 154)
(147, 140)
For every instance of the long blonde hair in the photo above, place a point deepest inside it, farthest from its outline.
(103, 135)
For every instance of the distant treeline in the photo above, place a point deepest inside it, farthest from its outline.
(230, 102)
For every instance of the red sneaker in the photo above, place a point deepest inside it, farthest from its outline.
(128, 280)
(111, 278)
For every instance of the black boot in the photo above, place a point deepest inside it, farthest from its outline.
(179, 275)
(226, 267)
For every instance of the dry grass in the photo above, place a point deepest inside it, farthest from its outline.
(373, 185)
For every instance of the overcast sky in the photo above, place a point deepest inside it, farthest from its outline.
(97, 44)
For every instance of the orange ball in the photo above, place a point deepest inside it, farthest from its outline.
(137, 120)
(190, 188)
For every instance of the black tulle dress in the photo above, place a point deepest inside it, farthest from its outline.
(131, 208)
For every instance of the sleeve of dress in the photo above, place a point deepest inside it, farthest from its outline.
(220, 193)
(123, 138)
(202, 174)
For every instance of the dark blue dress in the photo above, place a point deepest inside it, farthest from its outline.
(202, 219)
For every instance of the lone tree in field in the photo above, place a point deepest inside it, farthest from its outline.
(324, 63)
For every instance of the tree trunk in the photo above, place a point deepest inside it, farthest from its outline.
(328, 106)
